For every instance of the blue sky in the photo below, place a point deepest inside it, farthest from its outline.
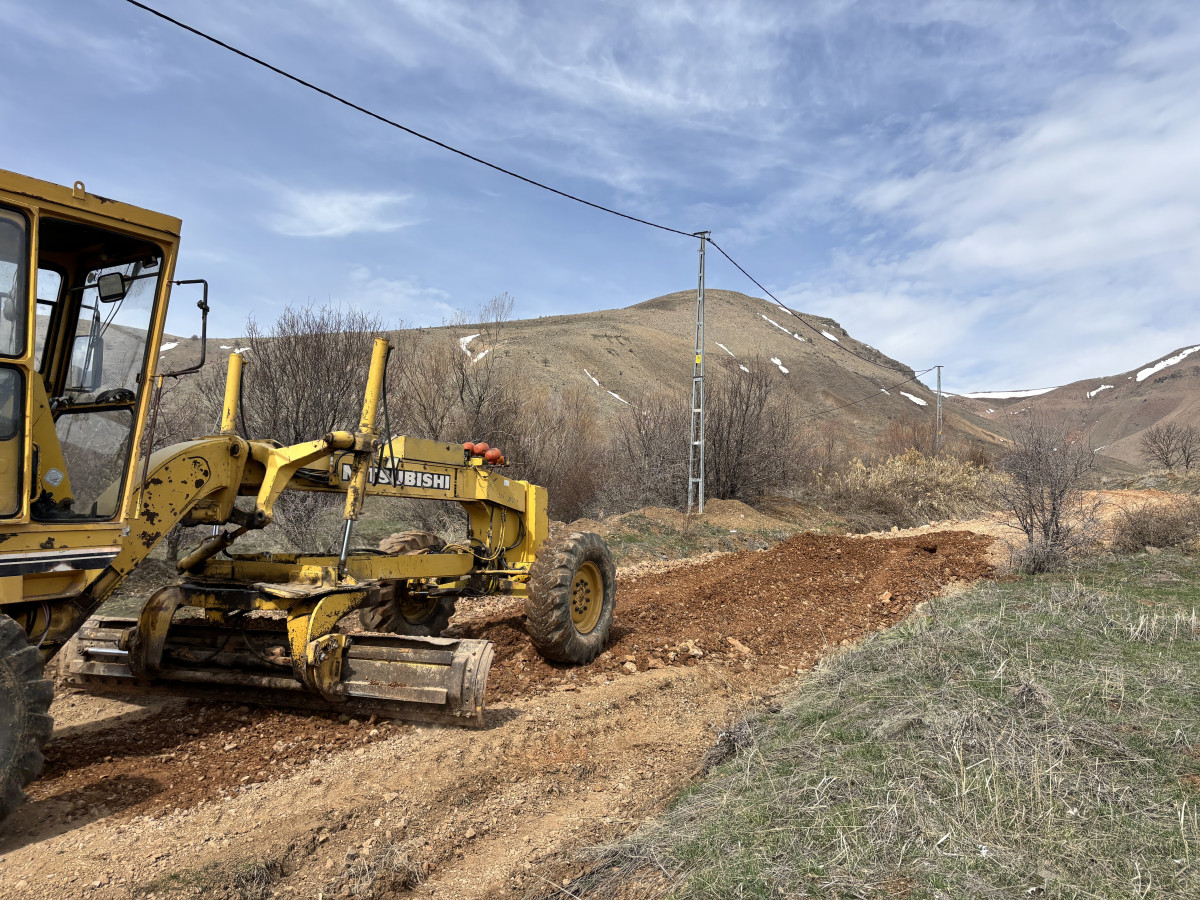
(1010, 189)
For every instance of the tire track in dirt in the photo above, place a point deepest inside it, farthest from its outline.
(572, 754)
(783, 607)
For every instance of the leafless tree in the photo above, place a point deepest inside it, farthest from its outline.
(304, 376)
(1044, 491)
(748, 434)
(425, 402)
(560, 444)
(649, 453)
(1189, 447)
(454, 385)
(1170, 444)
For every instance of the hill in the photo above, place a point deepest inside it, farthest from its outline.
(621, 353)
(1116, 409)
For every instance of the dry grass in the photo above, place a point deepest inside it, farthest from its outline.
(905, 490)
(1172, 524)
(1029, 738)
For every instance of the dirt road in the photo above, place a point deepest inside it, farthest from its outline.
(184, 798)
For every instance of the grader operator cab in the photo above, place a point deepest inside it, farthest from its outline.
(84, 287)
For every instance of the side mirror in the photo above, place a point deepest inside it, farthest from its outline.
(111, 287)
(87, 362)
(201, 305)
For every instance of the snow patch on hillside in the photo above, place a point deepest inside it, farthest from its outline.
(916, 400)
(170, 345)
(1103, 387)
(1159, 366)
(743, 368)
(619, 397)
(779, 363)
(831, 337)
(465, 342)
(591, 376)
(723, 347)
(776, 324)
(1006, 395)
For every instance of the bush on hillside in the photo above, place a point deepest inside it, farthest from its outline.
(1172, 524)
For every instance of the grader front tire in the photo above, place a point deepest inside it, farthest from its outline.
(572, 595)
(25, 723)
(406, 616)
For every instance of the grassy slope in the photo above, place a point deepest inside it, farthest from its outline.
(1033, 737)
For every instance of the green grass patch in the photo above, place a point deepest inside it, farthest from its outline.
(1035, 737)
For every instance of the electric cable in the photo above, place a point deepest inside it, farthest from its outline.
(826, 412)
(483, 162)
(374, 115)
(797, 315)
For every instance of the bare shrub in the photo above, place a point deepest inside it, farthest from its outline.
(1170, 524)
(559, 443)
(650, 452)
(903, 491)
(976, 454)
(909, 433)
(304, 376)
(748, 433)
(1042, 489)
(1170, 444)
(425, 399)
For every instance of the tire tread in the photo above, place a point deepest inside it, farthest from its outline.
(30, 695)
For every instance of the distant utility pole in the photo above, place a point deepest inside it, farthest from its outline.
(937, 441)
(696, 442)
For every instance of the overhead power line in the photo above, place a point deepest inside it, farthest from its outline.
(892, 387)
(374, 115)
(798, 316)
(337, 98)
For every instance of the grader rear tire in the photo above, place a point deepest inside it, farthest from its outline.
(25, 723)
(572, 595)
(404, 615)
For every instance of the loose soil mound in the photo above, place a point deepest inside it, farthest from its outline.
(783, 607)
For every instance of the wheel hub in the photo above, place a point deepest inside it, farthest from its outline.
(587, 597)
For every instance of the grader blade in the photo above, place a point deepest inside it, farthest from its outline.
(392, 676)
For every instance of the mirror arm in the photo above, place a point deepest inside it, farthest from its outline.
(202, 305)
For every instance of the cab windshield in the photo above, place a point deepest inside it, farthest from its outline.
(96, 291)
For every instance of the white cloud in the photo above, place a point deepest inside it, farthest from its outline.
(1042, 249)
(333, 213)
(400, 299)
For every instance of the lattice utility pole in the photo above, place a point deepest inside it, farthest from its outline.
(937, 440)
(696, 442)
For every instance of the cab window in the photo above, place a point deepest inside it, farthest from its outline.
(14, 266)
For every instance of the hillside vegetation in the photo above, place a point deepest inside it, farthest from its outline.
(1033, 737)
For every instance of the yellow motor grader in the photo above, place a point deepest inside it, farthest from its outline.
(85, 284)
